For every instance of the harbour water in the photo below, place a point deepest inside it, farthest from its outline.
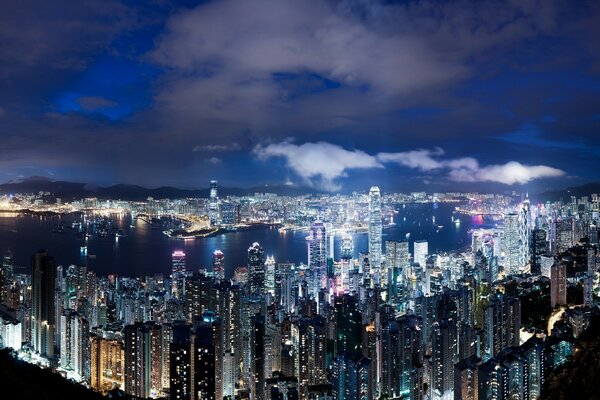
(144, 250)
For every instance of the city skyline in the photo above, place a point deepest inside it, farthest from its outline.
(330, 95)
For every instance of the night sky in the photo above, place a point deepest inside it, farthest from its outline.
(335, 95)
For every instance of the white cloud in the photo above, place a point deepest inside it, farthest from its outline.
(467, 169)
(509, 174)
(214, 160)
(318, 164)
(321, 164)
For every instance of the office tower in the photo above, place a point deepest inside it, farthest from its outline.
(43, 279)
(503, 323)
(537, 250)
(351, 377)
(512, 244)
(107, 363)
(524, 232)
(256, 269)
(317, 258)
(178, 273)
(213, 205)
(270, 275)
(397, 259)
(180, 357)
(444, 344)
(218, 264)
(375, 229)
(558, 284)
(421, 252)
(564, 234)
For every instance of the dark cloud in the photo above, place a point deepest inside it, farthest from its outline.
(190, 81)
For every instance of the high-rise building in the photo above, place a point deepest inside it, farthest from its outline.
(512, 244)
(178, 273)
(213, 205)
(351, 377)
(524, 233)
(218, 264)
(144, 359)
(317, 258)
(181, 363)
(444, 344)
(537, 250)
(107, 363)
(43, 279)
(421, 252)
(558, 284)
(256, 269)
(375, 229)
(503, 323)
(6, 277)
(564, 234)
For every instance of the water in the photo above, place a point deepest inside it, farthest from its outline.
(145, 250)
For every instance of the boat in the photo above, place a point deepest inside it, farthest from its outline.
(120, 233)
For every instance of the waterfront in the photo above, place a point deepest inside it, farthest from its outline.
(145, 250)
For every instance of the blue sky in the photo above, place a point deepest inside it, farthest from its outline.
(335, 95)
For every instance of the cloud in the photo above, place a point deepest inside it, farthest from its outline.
(318, 164)
(321, 164)
(217, 148)
(467, 169)
(214, 160)
(89, 103)
(509, 174)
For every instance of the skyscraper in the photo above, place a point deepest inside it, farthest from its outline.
(558, 284)
(421, 251)
(317, 257)
(375, 229)
(218, 264)
(256, 269)
(537, 250)
(213, 205)
(178, 273)
(512, 244)
(43, 280)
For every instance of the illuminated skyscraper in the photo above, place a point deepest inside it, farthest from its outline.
(178, 273)
(256, 269)
(107, 363)
(524, 233)
(421, 251)
(218, 264)
(213, 205)
(317, 257)
(375, 229)
(512, 244)
(43, 278)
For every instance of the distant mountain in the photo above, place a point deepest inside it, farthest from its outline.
(565, 194)
(77, 190)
